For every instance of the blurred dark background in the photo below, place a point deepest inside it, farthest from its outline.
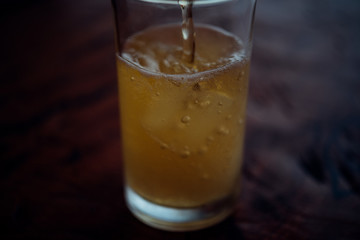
(60, 165)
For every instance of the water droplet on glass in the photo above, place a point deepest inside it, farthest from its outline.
(132, 78)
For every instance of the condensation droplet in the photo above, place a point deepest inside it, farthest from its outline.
(132, 78)
(220, 103)
(228, 117)
(157, 93)
(240, 121)
(185, 119)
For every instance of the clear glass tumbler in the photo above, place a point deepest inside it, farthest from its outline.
(183, 69)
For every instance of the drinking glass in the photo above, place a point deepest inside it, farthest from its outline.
(183, 70)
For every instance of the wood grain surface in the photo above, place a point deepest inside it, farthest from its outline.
(60, 164)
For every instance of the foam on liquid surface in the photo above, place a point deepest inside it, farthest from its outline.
(161, 50)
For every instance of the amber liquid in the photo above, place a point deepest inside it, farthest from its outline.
(182, 123)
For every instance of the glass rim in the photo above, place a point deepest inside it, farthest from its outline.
(194, 2)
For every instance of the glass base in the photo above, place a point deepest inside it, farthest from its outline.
(177, 219)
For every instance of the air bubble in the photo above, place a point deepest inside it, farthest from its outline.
(223, 130)
(205, 176)
(185, 153)
(164, 146)
(185, 119)
(196, 87)
(190, 105)
(205, 104)
(210, 139)
(203, 149)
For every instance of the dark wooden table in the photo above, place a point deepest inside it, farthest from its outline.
(60, 164)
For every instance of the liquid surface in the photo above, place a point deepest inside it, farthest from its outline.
(161, 49)
(182, 124)
(196, 2)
